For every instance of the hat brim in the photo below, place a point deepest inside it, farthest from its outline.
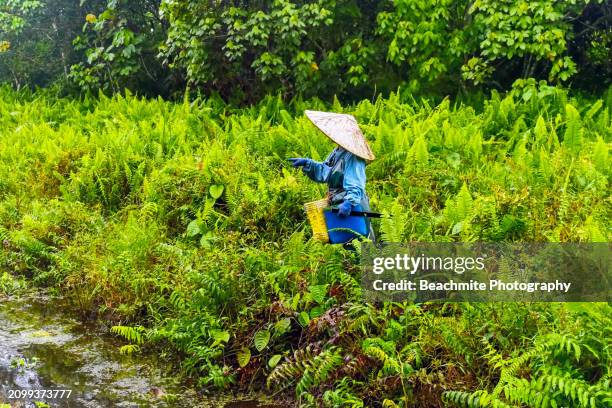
(343, 130)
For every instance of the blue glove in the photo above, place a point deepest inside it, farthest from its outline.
(344, 209)
(298, 162)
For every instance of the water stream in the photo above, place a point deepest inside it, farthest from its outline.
(42, 348)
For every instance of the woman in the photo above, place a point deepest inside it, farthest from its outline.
(344, 168)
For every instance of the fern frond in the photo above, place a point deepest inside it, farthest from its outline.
(132, 334)
(312, 370)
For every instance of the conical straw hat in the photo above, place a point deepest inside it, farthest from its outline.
(343, 130)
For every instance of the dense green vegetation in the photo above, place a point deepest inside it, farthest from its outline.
(244, 50)
(181, 224)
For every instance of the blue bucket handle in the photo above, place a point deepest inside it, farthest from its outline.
(361, 213)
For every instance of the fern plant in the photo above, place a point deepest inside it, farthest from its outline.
(309, 369)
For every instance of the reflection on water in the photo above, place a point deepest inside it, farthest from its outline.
(42, 348)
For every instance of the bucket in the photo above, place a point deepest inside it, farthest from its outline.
(345, 229)
(328, 226)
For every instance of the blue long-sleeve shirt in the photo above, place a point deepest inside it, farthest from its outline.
(354, 173)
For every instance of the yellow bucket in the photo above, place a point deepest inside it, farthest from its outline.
(314, 211)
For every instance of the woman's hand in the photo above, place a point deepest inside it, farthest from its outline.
(298, 161)
(344, 209)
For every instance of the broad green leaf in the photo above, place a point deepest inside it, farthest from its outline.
(243, 356)
(193, 228)
(273, 362)
(220, 337)
(282, 326)
(206, 239)
(317, 311)
(215, 191)
(261, 339)
(457, 228)
(303, 319)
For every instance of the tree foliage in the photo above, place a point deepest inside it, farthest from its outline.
(482, 41)
(244, 50)
(38, 51)
(428, 39)
(250, 48)
(14, 14)
(119, 46)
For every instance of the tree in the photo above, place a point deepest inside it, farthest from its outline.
(120, 45)
(352, 49)
(442, 43)
(14, 13)
(245, 49)
(429, 40)
(14, 17)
